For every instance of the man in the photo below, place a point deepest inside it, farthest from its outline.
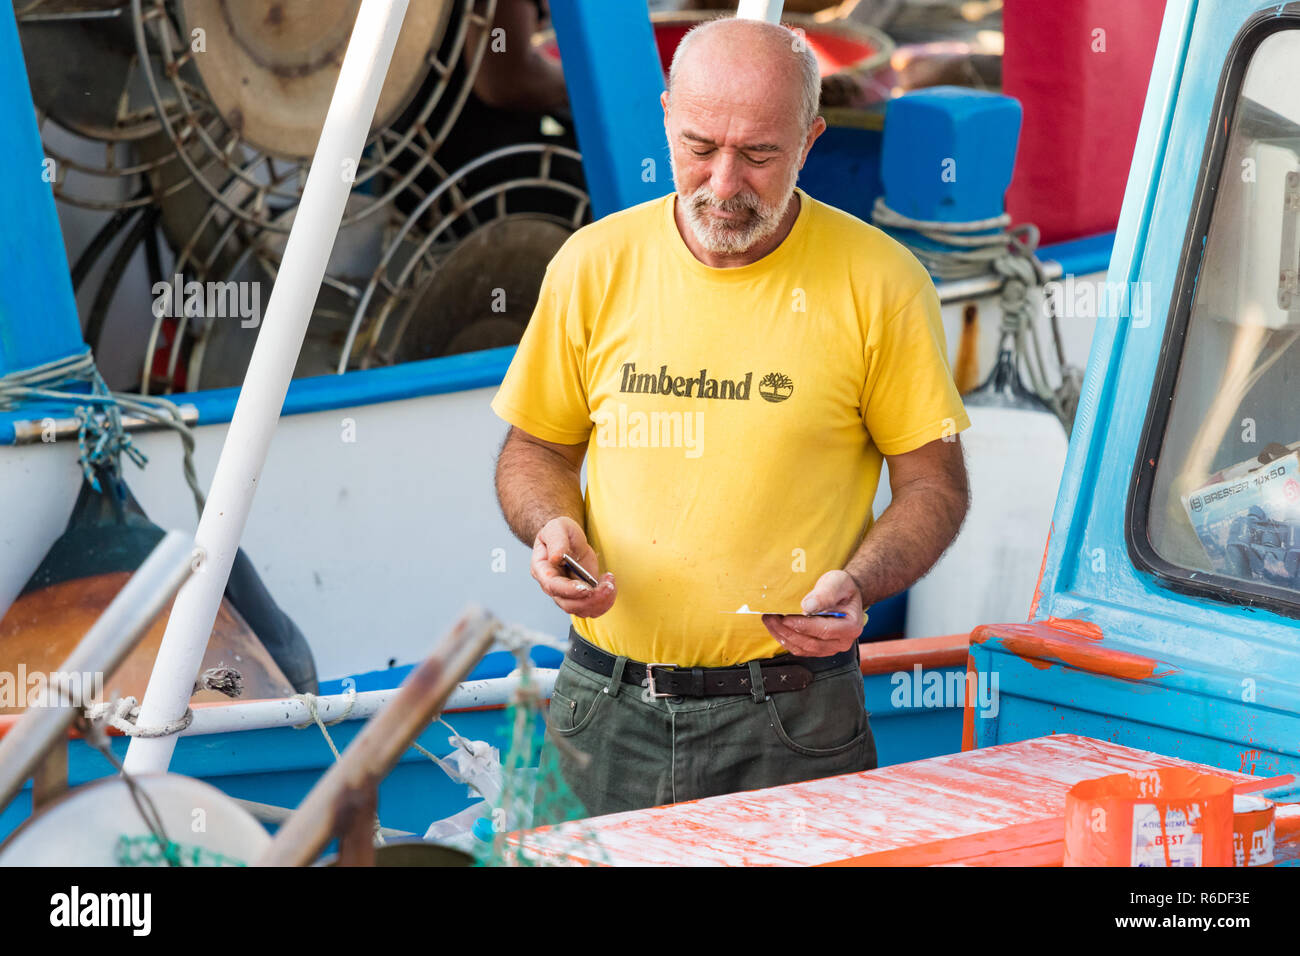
(746, 355)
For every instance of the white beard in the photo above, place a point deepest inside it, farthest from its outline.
(733, 237)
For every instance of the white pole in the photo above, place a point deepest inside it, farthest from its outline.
(267, 381)
(769, 10)
(229, 717)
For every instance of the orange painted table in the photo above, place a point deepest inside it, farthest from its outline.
(996, 805)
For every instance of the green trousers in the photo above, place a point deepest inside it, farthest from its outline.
(617, 748)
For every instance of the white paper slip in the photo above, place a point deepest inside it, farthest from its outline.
(744, 609)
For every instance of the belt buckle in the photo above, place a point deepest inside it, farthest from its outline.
(650, 678)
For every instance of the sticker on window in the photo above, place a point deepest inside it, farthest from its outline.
(1248, 518)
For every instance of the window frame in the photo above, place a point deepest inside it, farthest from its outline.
(1204, 584)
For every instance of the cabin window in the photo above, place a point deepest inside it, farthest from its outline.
(1224, 505)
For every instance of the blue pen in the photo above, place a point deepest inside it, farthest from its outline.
(744, 609)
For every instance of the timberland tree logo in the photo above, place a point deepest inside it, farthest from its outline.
(774, 387)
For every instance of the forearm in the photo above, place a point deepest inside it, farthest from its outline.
(908, 539)
(535, 485)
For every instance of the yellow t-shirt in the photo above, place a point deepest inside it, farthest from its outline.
(736, 417)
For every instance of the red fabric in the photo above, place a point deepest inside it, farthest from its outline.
(1082, 107)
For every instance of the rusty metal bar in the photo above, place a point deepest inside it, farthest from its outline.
(35, 430)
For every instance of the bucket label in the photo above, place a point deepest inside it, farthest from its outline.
(1261, 847)
(1150, 839)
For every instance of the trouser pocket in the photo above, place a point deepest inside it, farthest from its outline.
(826, 719)
(574, 702)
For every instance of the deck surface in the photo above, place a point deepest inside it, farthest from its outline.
(999, 804)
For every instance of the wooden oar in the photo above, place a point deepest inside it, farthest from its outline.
(345, 794)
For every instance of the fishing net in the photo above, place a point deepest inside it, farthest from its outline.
(148, 850)
(534, 792)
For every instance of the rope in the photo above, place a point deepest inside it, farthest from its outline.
(310, 700)
(970, 249)
(1020, 274)
(156, 848)
(94, 734)
(101, 437)
(519, 641)
(461, 744)
(122, 714)
(525, 701)
(516, 797)
(449, 771)
(224, 680)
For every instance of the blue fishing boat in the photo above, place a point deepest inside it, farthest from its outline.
(371, 541)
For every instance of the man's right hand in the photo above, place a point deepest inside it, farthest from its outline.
(558, 537)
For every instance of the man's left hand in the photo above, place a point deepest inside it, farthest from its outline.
(821, 636)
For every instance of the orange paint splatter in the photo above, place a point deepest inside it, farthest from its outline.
(1248, 758)
(1043, 644)
(1085, 629)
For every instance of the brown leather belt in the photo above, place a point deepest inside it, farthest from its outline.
(779, 674)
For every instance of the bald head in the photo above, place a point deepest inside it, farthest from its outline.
(739, 60)
(740, 115)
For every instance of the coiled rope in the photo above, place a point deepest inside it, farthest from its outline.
(122, 714)
(101, 437)
(975, 248)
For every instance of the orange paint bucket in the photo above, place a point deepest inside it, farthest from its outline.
(1167, 817)
(1252, 830)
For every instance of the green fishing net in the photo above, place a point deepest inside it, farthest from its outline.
(534, 794)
